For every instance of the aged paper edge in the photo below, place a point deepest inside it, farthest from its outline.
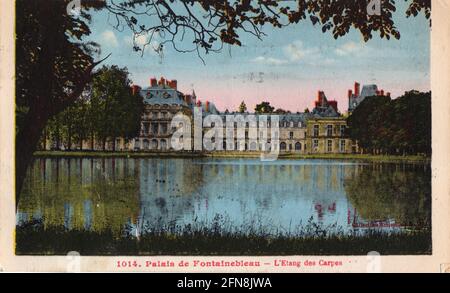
(439, 261)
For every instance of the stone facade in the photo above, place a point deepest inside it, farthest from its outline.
(328, 135)
(319, 132)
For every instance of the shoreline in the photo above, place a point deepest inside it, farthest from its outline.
(231, 155)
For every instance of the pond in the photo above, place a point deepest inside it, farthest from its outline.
(247, 196)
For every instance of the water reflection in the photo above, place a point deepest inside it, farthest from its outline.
(281, 196)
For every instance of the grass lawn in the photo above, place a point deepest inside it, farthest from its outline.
(234, 154)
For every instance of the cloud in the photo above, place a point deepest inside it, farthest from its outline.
(296, 51)
(348, 48)
(109, 38)
(142, 40)
(269, 60)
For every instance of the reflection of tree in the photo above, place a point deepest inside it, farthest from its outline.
(112, 202)
(401, 193)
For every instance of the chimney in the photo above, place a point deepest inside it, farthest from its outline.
(199, 103)
(153, 82)
(357, 89)
(207, 106)
(377, 92)
(382, 92)
(162, 81)
(174, 84)
(135, 89)
(350, 93)
(187, 99)
(388, 94)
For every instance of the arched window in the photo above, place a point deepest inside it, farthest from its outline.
(145, 144)
(154, 144)
(137, 144)
(163, 144)
(283, 146)
(253, 146)
(298, 146)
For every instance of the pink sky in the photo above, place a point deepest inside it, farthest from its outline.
(295, 96)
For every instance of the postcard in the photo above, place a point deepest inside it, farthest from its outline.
(225, 136)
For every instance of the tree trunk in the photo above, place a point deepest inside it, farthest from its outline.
(69, 140)
(26, 142)
(81, 143)
(92, 141)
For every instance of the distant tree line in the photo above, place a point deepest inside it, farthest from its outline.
(400, 126)
(106, 110)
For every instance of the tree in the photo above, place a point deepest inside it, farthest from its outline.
(264, 107)
(117, 110)
(242, 107)
(54, 63)
(282, 111)
(306, 110)
(400, 126)
(212, 23)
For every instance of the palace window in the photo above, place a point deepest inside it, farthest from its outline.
(315, 143)
(342, 130)
(329, 130)
(154, 128)
(329, 145)
(342, 146)
(163, 128)
(316, 130)
(298, 146)
(291, 135)
(146, 128)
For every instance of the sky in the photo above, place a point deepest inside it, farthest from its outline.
(286, 68)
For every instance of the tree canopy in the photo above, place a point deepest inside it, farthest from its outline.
(242, 107)
(109, 109)
(264, 107)
(211, 23)
(399, 126)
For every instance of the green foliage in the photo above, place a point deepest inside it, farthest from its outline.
(242, 107)
(115, 111)
(108, 110)
(264, 107)
(53, 66)
(33, 239)
(400, 126)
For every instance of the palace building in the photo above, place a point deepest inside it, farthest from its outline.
(320, 131)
